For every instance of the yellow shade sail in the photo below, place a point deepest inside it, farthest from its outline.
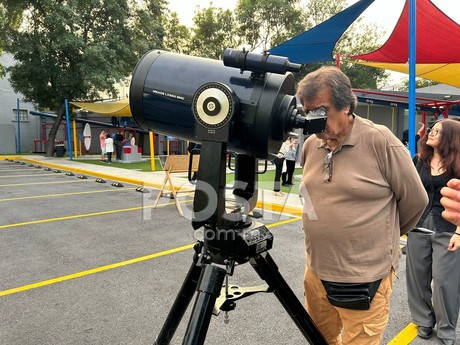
(445, 73)
(116, 108)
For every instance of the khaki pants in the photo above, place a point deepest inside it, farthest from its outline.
(360, 327)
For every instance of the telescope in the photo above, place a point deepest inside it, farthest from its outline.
(246, 105)
(247, 100)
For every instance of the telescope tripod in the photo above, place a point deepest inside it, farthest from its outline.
(229, 238)
(207, 279)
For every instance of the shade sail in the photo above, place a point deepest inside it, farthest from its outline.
(317, 44)
(437, 38)
(447, 73)
(437, 46)
(116, 108)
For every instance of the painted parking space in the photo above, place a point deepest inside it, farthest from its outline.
(85, 262)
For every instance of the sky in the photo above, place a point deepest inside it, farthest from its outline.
(384, 13)
(380, 11)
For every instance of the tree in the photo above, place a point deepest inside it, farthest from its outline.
(177, 36)
(419, 83)
(213, 31)
(148, 26)
(266, 23)
(11, 21)
(2, 25)
(74, 49)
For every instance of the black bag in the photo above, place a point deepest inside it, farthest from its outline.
(356, 296)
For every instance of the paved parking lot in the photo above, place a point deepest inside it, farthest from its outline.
(90, 263)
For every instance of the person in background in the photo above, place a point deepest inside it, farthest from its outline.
(405, 138)
(290, 158)
(432, 270)
(132, 139)
(278, 162)
(109, 148)
(362, 192)
(118, 142)
(102, 137)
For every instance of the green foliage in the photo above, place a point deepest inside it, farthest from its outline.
(77, 49)
(8, 21)
(266, 23)
(213, 32)
(177, 36)
(149, 26)
(419, 82)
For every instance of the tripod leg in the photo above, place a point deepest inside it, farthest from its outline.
(268, 271)
(182, 301)
(211, 281)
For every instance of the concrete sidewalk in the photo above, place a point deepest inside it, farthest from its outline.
(290, 203)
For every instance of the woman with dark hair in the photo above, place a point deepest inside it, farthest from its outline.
(433, 271)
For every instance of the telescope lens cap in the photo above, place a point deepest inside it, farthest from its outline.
(213, 105)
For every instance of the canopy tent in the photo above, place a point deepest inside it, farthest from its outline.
(437, 46)
(116, 108)
(317, 44)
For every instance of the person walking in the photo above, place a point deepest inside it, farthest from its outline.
(361, 193)
(432, 270)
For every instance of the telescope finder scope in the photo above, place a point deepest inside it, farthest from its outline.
(258, 63)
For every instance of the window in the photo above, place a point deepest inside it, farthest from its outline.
(23, 115)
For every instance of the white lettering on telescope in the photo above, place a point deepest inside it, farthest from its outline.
(170, 95)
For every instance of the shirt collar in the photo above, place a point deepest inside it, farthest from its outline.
(352, 138)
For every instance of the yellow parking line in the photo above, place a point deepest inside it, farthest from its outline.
(37, 183)
(65, 194)
(21, 169)
(287, 221)
(94, 270)
(48, 220)
(405, 336)
(28, 175)
(111, 266)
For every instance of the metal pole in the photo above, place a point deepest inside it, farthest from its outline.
(152, 149)
(69, 144)
(412, 73)
(75, 139)
(19, 126)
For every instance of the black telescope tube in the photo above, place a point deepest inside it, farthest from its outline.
(164, 84)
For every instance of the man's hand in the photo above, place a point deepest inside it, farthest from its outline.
(451, 201)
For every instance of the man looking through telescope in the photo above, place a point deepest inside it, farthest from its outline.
(365, 193)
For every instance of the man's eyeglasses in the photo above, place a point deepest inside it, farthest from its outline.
(328, 167)
(433, 132)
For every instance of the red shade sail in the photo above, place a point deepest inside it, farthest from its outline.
(437, 38)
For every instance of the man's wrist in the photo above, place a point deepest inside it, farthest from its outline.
(456, 233)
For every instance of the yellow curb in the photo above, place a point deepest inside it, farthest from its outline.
(293, 211)
(84, 171)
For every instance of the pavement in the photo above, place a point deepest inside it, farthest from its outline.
(88, 263)
(289, 202)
